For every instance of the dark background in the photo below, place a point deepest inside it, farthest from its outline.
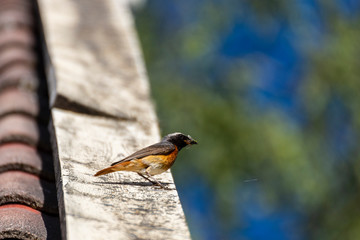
(271, 91)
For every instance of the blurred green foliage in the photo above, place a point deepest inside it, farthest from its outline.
(295, 163)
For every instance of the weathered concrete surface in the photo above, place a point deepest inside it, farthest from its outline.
(117, 205)
(98, 64)
(102, 112)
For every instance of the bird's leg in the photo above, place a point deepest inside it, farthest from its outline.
(152, 180)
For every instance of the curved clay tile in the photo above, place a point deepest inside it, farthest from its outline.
(22, 222)
(28, 199)
(17, 156)
(28, 189)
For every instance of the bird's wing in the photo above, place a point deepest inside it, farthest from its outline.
(161, 148)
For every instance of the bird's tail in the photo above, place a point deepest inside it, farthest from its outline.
(105, 171)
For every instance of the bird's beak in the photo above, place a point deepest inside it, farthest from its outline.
(192, 142)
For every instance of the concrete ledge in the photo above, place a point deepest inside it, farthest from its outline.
(101, 112)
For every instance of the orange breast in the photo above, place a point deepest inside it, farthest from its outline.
(163, 162)
(170, 159)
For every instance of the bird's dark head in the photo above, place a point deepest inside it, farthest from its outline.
(179, 139)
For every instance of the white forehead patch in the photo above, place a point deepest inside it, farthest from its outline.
(174, 134)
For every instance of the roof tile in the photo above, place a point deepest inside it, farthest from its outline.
(21, 222)
(15, 3)
(15, 156)
(28, 189)
(12, 19)
(18, 128)
(19, 76)
(17, 37)
(28, 201)
(16, 55)
(14, 100)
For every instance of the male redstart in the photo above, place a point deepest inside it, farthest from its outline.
(152, 160)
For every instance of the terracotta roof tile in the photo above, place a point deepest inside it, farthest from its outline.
(15, 13)
(16, 37)
(16, 55)
(28, 189)
(11, 4)
(28, 199)
(19, 76)
(22, 222)
(18, 101)
(12, 19)
(15, 156)
(18, 128)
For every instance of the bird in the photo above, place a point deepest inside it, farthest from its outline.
(154, 159)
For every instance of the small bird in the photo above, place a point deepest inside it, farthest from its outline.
(152, 160)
